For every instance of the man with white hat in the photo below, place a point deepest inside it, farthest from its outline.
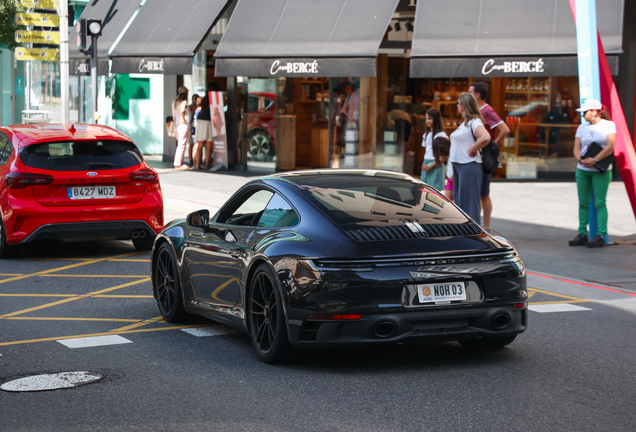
(593, 144)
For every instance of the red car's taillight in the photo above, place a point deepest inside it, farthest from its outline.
(147, 174)
(19, 180)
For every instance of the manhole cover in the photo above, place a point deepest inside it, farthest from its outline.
(54, 381)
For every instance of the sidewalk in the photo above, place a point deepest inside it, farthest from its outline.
(539, 219)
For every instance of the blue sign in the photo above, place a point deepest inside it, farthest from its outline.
(19, 86)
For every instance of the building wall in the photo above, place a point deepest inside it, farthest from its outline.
(135, 107)
(6, 87)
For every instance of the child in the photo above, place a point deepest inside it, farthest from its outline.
(441, 149)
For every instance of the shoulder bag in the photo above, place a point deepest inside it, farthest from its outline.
(592, 150)
(170, 129)
(489, 154)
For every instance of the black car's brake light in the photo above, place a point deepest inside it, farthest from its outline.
(19, 180)
(147, 174)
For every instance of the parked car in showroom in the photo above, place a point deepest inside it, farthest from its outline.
(75, 182)
(327, 258)
(261, 126)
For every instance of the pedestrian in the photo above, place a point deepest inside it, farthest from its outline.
(180, 114)
(193, 108)
(441, 148)
(431, 173)
(466, 141)
(204, 128)
(590, 175)
(498, 130)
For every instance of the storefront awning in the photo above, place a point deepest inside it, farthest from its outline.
(165, 35)
(114, 14)
(303, 38)
(472, 33)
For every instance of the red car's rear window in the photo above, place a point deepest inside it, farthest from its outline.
(81, 155)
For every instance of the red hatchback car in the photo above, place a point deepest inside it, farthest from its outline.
(75, 182)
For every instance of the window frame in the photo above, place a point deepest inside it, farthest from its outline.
(241, 197)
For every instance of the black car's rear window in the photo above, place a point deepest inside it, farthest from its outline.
(81, 155)
(359, 199)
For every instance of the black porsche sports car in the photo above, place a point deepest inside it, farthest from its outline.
(324, 258)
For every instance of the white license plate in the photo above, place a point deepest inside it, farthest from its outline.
(92, 192)
(444, 292)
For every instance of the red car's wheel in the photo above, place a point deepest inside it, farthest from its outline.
(6, 250)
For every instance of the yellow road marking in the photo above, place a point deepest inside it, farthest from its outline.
(63, 268)
(77, 297)
(92, 276)
(131, 260)
(96, 276)
(11, 274)
(558, 295)
(139, 324)
(73, 295)
(99, 334)
(74, 319)
(38, 295)
(56, 259)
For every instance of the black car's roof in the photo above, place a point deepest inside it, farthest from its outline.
(313, 177)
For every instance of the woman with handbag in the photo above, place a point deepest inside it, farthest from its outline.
(594, 149)
(433, 174)
(470, 137)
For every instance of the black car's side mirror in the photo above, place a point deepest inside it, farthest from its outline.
(199, 218)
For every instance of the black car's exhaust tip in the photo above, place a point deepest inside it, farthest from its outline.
(384, 329)
(500, 321)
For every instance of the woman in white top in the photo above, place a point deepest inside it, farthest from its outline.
(181, 116)
(588, 177)
(431, 174)
(470, 137)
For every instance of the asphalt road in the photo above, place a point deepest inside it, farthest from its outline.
(572, 370)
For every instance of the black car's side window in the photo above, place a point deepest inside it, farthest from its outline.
(249, 210)
(278, 213)
(6, 148)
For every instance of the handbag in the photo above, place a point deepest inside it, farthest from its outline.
(592, 150)
(170, 128)
(489, 154)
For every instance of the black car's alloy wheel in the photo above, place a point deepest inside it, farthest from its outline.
(267, 318)
(166, 285)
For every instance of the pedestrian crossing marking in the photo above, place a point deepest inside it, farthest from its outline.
(217, 330)
(562, 307)
(95, 341)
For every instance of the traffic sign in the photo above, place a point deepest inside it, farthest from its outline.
(37, 4)
(41, 37)
(42, 54)
(37, 19)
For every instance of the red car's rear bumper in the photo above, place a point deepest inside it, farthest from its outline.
(28, 220)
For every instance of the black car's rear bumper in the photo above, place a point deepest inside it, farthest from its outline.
(441, 324)
(110, 230)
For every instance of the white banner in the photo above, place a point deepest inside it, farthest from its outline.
(219, 140)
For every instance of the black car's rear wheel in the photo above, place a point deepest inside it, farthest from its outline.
(267, 324)
(487, 342)
(6, 250)
(166, 285)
